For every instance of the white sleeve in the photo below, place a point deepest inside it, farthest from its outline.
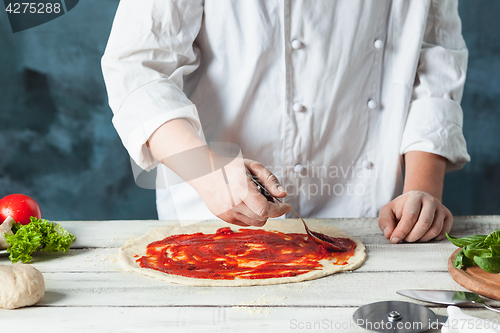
(149, 50)
(435, 118)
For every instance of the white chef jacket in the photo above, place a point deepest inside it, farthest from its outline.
(328, 94)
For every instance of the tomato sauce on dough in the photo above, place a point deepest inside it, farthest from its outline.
(245, 254)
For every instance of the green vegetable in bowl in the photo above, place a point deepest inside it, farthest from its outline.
(39, 235)
(478, 250)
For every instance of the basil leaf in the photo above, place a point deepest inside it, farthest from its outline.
(461, 260)
(493, 238)
(482, 253)
(491, 264)
(461, 242)
(495, 250)
(479, 249)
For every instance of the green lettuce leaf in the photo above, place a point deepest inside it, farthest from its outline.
(39, 235)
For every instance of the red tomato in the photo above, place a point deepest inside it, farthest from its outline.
(20, 207)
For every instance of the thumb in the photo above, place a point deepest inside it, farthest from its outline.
(387, 220)
(266, 178)
(273, 185)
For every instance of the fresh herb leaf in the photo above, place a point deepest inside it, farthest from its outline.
(462, 260)
(461, 242)
(495, 250)
(37, 235)
(493, 238)
(491, 264)
(457, 263)
(481, 250)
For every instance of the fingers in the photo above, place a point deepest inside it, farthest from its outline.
(411, 212)
(436, 228)
(387, 220)
(261, 207)
(425, 222)
(237, 218)
(266, 178)
(422, 218)
(254, 212)
(250, 207)
(448, 221)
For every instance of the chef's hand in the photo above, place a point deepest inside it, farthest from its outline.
(232, 195)
(415, 216)
(418, 214)
(239, 201)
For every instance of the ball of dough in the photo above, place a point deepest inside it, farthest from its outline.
(20, 285)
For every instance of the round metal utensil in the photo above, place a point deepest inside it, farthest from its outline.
(395, 317)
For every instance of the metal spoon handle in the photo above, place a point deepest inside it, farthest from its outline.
(275, 198)
(489, 307)
(303, 222)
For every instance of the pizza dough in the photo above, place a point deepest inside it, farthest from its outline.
(135, 249)
(5, 228)
(20, 285)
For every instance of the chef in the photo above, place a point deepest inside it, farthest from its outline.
(340, 108)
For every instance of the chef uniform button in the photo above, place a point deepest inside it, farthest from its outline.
(296, 44)
(297, 107)
(367, 164)
(372, 104)
(298, 168)
(378, 44)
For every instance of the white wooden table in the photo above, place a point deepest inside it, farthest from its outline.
(87, 291)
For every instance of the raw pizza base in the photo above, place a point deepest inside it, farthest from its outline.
(135, 249)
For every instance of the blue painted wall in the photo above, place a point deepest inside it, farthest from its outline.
(58, 145)
(476, 188)
(56, 137)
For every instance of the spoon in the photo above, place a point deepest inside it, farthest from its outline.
(327, 242)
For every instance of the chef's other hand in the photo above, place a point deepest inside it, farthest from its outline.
(415, 216)
(236, 198)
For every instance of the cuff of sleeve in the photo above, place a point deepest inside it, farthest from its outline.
(144, 112)
(434, 125)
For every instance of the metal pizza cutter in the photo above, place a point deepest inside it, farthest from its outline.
(397, 317)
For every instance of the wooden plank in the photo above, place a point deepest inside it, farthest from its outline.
(161, 319)
(472, 225)
(109, 233)
(181, 319)
(346, 289)
(116, 233)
